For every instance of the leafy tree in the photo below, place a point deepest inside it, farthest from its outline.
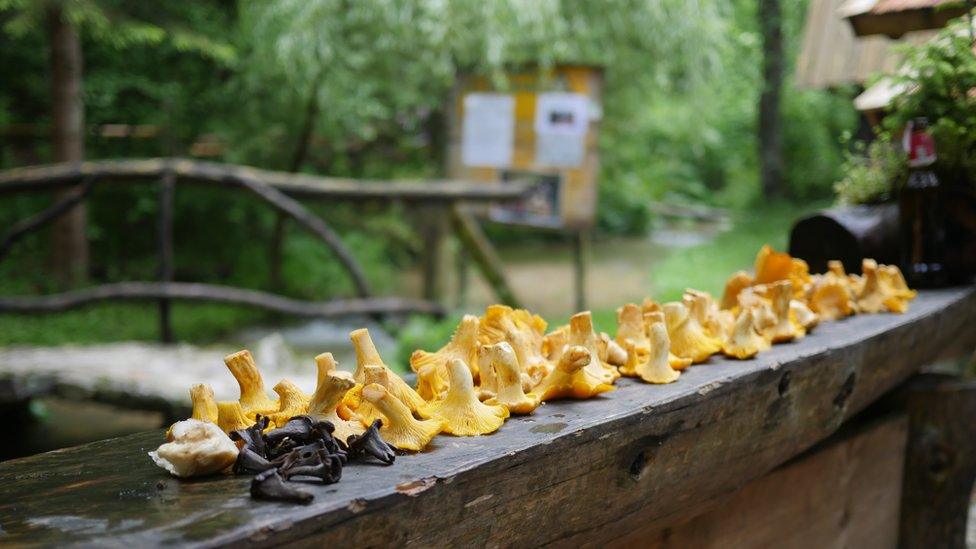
(118, 23)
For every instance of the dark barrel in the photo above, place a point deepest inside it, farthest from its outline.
(847, 233)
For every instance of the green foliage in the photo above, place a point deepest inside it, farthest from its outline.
(122, 23)
(938, 78)
(870, 172)
(813, 153)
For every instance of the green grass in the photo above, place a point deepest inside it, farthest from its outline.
(107, 322)
(708, 266)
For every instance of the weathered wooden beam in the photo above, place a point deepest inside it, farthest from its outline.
(434, 224)
(580, 473)
(479, 248)
(315, 225)
(211, 292)
(844, 492)
(42, 178)
(164, 237)
(25, 226)
(940, 464)
(581, 256)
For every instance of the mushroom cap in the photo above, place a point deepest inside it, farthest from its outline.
(735, 284)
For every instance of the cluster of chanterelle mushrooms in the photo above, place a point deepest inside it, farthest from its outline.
(505, 362)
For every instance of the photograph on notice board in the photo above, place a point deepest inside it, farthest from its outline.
(541, 208)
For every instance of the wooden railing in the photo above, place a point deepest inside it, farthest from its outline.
(278, 189)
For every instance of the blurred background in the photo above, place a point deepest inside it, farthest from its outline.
(670, 140)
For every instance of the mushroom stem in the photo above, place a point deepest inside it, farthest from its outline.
(254, 399)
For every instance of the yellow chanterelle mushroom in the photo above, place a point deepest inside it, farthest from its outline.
(204, 403)
(688, 337)
(500, 358)
(570, 378)
(524, 331)
(736, 283)
(400, 428)
(254, 399)
(830, 296)
(744, 342)
(367, 355)
(230, 416)
(463, 413)
(293, 402)
(657, 317)
(329, 391)
(463, 345)
(784, 329)
(652, 364)
(581, 334)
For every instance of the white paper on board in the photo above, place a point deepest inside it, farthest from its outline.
(561, 122)
(488, 134)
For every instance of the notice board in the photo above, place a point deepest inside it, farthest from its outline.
(535, 124)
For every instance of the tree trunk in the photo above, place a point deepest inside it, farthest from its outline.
(69, 245)
(770, 121)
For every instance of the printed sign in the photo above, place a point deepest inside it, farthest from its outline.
(561, 122)
(488, 131)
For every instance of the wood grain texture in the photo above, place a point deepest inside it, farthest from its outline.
(843, 493)
(572, 474)
(940, 462)
(54, 176)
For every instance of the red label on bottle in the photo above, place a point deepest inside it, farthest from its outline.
(919, 145)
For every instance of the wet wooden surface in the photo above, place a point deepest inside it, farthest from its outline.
(573, 474)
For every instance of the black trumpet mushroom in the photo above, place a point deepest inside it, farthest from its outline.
(269, 485)
(371, 444)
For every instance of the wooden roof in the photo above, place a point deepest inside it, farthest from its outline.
(895, 18)
(833, 56)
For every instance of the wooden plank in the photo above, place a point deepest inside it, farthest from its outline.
(164, 238)
(434, 222)
(25, 226)
(53, 176)
(476, 244)
(572, 474)
(940, 462)
(845, 493)
(313, 224)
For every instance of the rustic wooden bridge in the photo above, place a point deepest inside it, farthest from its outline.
(818, 443)
(440, 199)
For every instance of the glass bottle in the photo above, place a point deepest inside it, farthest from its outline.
(922, 212)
